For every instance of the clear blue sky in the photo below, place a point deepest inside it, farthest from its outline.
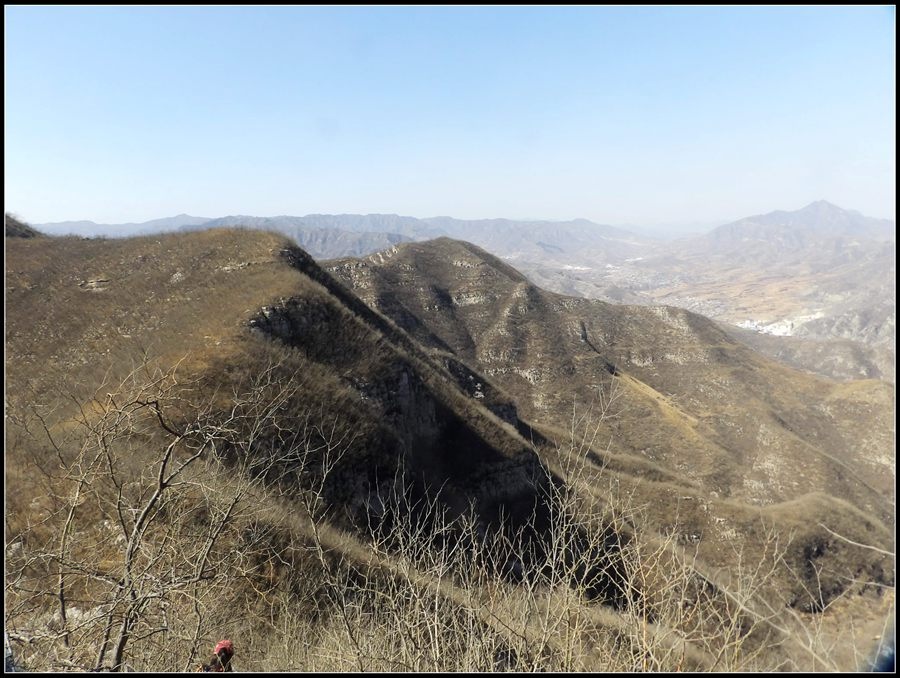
(622, 115)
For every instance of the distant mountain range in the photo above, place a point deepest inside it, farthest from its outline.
(777, 233)
(818, 219)
(821, 272)
(521, 240)
(817, 233)
(90, 229)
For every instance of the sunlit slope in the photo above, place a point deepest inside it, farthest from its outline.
(690, 399)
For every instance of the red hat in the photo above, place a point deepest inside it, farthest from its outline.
(224, 645)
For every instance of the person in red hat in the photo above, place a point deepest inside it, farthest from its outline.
(221, 659)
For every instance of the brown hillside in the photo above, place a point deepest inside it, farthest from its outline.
(699, 416)
(453, 389)
(15, 228)
(709, 408)
(215, 300)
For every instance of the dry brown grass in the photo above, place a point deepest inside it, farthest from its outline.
(594, 566)
(587, 587)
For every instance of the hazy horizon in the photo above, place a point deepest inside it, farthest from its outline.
(661, 120)
(664, 230)
(661, 231)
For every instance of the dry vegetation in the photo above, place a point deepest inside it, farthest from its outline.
(16, 228)
(335, 499)
(167, 522)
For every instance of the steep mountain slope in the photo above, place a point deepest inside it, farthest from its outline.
(92, 298)
(18, 229)
(237, 321)
(294, 374)
(695, 403)
(458, 392)
(705, 433)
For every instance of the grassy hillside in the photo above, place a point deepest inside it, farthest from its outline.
(208, 435)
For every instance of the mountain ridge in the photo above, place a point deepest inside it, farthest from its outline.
(812, 273)
(370, 221)
(451, 361)
(448, 294)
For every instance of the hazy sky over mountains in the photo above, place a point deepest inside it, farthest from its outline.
(634, 115)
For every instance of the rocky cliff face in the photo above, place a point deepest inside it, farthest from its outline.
(440, 421)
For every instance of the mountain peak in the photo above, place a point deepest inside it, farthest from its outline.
(822, 206)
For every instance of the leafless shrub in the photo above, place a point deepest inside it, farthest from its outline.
(174, 518)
